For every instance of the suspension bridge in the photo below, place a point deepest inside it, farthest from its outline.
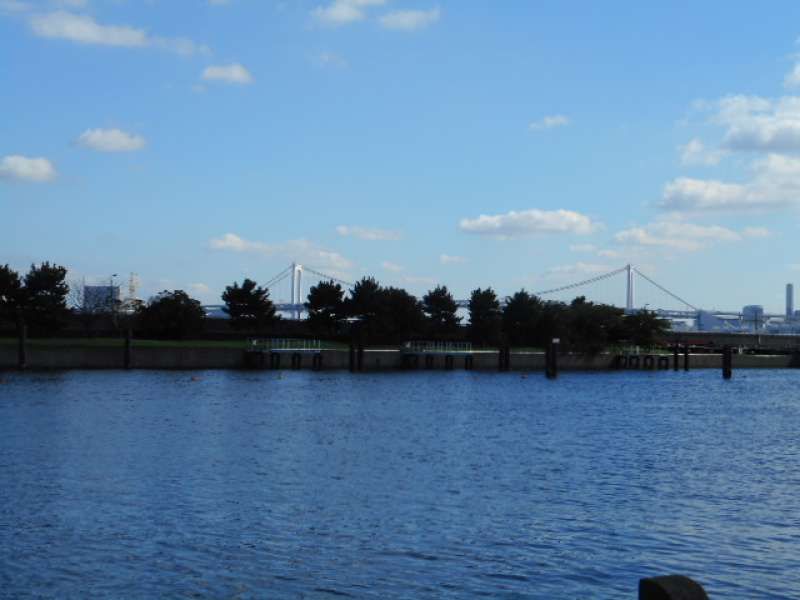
(298, 275)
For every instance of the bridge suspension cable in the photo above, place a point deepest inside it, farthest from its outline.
(279, 277)
(582, 283)
(665, 290)
(327, 277)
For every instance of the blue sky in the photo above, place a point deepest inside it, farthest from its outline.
(514, 144)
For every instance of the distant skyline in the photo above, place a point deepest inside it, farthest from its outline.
(466, 143)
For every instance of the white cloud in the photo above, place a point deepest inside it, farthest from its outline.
(583, 248)
(409, 20)
(83, 29)
(760, 124)
(792, 78)
(684, 236)
(529, 222)
(393, 267)
(233, 73)
(343, 12)
(368, 233)
(606, 253)
(448, 259)
(775, 184)
(301, 250)
(690, 194)
(111, 140)
(695, 153)
(549, 122)
(756, 232)
(23, 168)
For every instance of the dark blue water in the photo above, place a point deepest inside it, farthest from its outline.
(423, 485)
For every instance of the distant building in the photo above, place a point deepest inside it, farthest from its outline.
(753, 316)
(707, 321)
(100, 298)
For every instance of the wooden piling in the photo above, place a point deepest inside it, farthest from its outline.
(351, 362)
(22, 344)
(686, 358)
(360, 358)
(551, 360)
(727, 362)
(675, 357)
(504, 359)
(126, 357)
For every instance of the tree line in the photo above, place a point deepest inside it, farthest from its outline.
(371, 312)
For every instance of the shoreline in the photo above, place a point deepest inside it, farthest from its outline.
(43, 357)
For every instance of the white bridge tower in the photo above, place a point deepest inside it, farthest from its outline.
(630, 302)
(297, 294)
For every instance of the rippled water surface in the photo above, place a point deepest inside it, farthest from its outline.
(407, 485)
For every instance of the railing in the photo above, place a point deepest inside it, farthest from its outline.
(438, 347)
(284, 344)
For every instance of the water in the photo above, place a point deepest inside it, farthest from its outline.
(407, 485)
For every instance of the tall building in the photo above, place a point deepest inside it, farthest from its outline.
(100, 298)
(789, 301)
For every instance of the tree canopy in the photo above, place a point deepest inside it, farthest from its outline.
(44, 297)
(10, 292)
(400, 316)
(248, 306)
(325, 306)
(485, 317)
(171, 315)
(644, 328)
(440, 309)
(520, 318)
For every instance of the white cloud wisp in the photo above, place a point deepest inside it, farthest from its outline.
(23, 168)
(111, 140)
(529, 222)
(232, 74)
(83, 29)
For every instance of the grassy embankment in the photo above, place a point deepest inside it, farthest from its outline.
(119, 343)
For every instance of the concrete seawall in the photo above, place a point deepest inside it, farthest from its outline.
(42, 357)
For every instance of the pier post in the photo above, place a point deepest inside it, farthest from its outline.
(22, 343)
(351, 358)
(504, 358)
(671, 587)
(126, 360)
(675, 357)
(686, 358)
(727, 362)
(360, 358)
(551, 359)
